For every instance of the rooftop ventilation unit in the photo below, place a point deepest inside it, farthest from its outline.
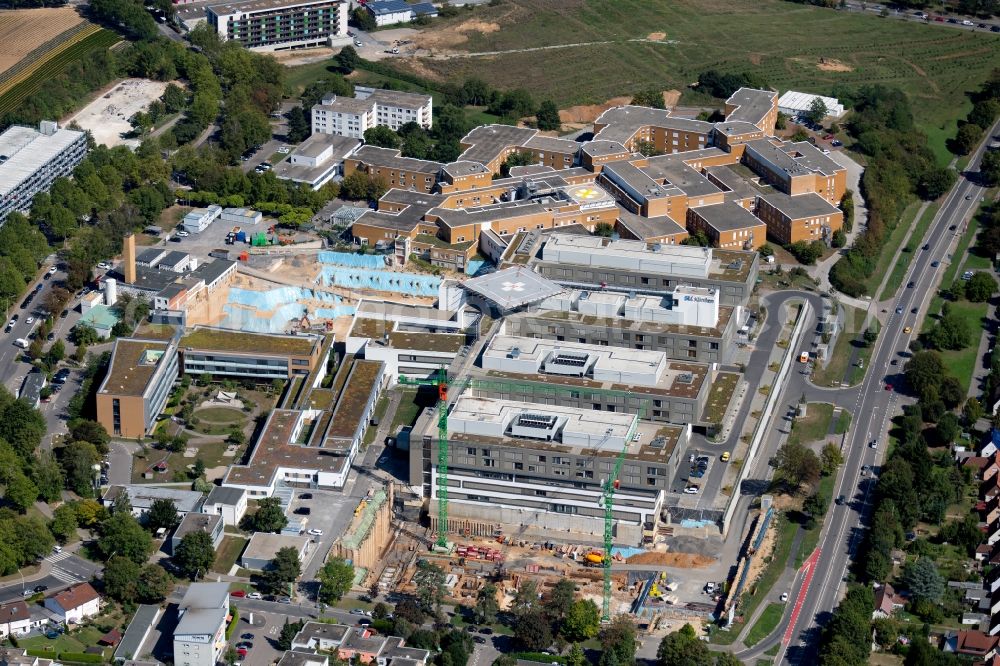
(514, 353)
(534, 426)
(576, 360)
(686, 378)
(736, 265)
(657, 247)
(658, 442)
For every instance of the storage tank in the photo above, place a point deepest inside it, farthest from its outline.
(110, 291)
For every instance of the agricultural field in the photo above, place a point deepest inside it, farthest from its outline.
(28, 75)
(24, 31)
(616, 47)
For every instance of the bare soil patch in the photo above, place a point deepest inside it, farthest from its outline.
(304, 56)
(686, 560)
(454, 35)
(656, 36)
(833, 65)
(671, 97)
(107, 117)
(588, 113)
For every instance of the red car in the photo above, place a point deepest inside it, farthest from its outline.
(238, 593)
(827, 137)
(242, 652)
(888, 387)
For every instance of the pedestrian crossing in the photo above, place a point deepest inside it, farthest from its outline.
(59, 573)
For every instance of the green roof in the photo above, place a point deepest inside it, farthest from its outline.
(215, 339)
(100, 317)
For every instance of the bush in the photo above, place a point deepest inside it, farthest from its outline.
(81, 657)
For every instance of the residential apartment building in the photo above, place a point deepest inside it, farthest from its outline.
(200, 634)
(595, 263)
(352, 116)
(806, 217)
(728, 226)
(526, 463)
(359, 644)
(597, 377)
(140, 377)
(279, 24)
(30, 160)
(222, 352)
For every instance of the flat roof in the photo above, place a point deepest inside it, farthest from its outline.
(211, 271)
(391, 159)
(727, 216)
(673, 170)
(799, 206)
(649, 227)
(265, 5)
(384, 333)
(486, 142)
(133, 364)
(316, 144)
(404, 100)
(725, 314)
(150, 255)
(794, 159)
(225, 495)
(265, 545)
(138, 628)
(203, 338)
(643, 186)
(602, 147)
(461, 168)
(513, 287)
(197, 522)
(385, 309)
(142, 496)
(622, 122)
(358, 389)
(752, 105)
(24, 150)
(146, 278)
(551, 144)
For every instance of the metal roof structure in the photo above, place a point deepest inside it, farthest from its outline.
(512, 288)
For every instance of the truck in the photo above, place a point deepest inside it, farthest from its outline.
(804, 357)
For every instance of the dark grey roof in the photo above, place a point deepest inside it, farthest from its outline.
(486, 142)
(391, 159)
(135, 634)
(225, 495)
(513, 287)
(150, 255)
(646, 227)
(172, 290)
(174, 257)
(671, 168)
(752, 105)
(727, 216)
(32, 387)
(212, 270)
(146, 279)
(801, 205)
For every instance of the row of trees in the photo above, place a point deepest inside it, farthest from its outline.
(900, 167)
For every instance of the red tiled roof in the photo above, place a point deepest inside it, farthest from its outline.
(75, 596)
(975, 642)
(13, 612)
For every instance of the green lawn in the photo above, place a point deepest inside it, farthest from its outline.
(765, 624)
(224, 415)
(963, 362)
(916, 241)
(814, 426)
(841, 355)
(229, 550)
(78, 641)
(951, 271)
(784, 43)
(843, 422)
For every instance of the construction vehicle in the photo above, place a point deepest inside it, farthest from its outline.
(609, 486)
(594, 559)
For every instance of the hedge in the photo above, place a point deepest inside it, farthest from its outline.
(540, 657)
(81, 657)
(231, 629)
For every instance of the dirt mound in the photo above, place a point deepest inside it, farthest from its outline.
(685, 560)
(671, 97)
(833, 65)
(454, 35)
(656, 36)
(588, 113)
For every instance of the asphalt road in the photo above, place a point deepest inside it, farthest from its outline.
(909, 15)
(875, 405)
(67, 569)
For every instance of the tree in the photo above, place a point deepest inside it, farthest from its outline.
(121, 576)
(122, 534)
(283, 570)
(429, 580)
(951, 331)
(547, 116)
(161, 513)
(831, 458)
(526, 599)
(984, 112)
(839, 239)
(923, 372)
(347, 60)
(561, 599)
(807, 253)
(980, 287)
(486, 608)
(89, 512)
(951, 392)
(154, 584)
(298, 125)
(935, 182)
(22, 426)
(268, 518)
(21, 492)
(77, 460)
(582, 621)
(870, 336)
(517, 158)
(814, 506)
(989, 168)
(409, 610)
(532, 632)
(174, 98)
(288, 632)
(817, 111)
(575, 656)
(682, 648)
(361, 18)
(85, 430)
(967, 138)
(618, 638)
(923, 580)
(504, 660)
(726, 659)
(796, 464)
(194, 554)
(382, 136)
(63, 524)
(335, 578)
(972, 411)
(650, 97)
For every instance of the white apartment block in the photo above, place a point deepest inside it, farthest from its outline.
(351, 116)
(200, 635)
(30, 160)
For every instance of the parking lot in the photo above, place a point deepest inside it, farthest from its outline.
(261, 630)
(330, 512)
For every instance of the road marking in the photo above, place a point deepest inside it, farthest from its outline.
(807, 571)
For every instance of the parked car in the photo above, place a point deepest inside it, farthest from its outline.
(255, 595)
(247, 636)
(284, 600)
(306, 496)
(303, 511)
(315, 532)
(238, 593)
(784, 596)
(692, 489)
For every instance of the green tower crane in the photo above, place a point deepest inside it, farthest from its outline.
(440, 380)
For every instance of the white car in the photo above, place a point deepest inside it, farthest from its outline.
(255, 595)
(357, 42)
(315, 532)
(104, 265)
(826, 151)
(183, 234)
(691, 490)
(784, 596)
(29, 321)
(52, 271)
(284, 150)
